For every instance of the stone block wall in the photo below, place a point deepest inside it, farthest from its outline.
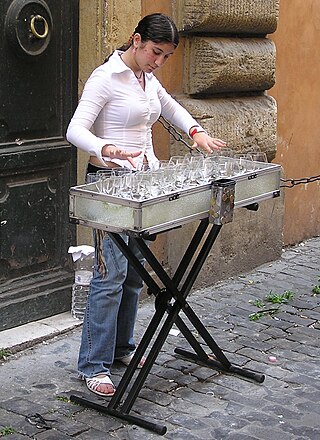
(228, 54)
(229, 64)
(244, 121)
(252, 17)
(223, 65)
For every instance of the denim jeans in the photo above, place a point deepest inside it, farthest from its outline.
(110, 316)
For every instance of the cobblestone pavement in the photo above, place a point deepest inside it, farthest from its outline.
(192, 401)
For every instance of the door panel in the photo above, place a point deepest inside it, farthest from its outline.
(38, 92)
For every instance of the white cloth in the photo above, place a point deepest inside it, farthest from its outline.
(114, 109)
(78, 251)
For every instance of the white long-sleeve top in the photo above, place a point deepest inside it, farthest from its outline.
(114, 109)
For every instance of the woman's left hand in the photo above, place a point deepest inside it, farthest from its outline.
(205, 142)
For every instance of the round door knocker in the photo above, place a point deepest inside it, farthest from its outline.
(39, 18)
(29, 27)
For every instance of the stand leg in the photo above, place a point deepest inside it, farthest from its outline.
(257, 377)
(190, 251)
(131, 369)
(221, 362)
(158, 429)
(225, 364)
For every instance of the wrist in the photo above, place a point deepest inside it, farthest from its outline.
(194, 130)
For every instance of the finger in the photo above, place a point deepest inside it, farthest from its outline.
(215, 146)
(127, 154)
(133, 163)
(203, 147)
(220, 142)
(135, 153)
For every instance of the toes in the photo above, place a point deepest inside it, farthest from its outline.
(105, 388)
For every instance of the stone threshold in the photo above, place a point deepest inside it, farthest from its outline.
(27, 335)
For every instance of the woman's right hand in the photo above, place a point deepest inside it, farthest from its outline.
(116, 153)
(207, 143)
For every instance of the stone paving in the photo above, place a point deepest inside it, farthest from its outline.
(193, 401)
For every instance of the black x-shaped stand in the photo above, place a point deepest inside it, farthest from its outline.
(172, 300)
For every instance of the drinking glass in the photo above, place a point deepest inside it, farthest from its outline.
(156, 182)
(168, 178)
(92, 177)
(224, 152)
(175, 160)
(137, 190)
(108, 185)
(145, 184)
(257, 158)
(194, 165)
(194, 155)
(225, 166)
(126, 185)
(180, 176)
(118, 186)
(105, 173)
(210, 168)
(101, 176)
(154, 166)
(165, 163)
(142, 167)
(242, 163)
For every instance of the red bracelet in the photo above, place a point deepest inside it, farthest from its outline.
(194, 131)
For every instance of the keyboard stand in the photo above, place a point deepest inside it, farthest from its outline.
(170, 301)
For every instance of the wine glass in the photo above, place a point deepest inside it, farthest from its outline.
(258, 158)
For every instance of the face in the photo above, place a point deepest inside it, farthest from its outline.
(150, 56)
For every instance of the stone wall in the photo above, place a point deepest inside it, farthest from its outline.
(246, 17)
(229, 64)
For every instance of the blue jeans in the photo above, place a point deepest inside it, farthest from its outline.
(111, 312)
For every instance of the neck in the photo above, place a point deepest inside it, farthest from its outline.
(128, 58)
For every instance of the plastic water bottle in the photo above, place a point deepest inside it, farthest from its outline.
(83, 257)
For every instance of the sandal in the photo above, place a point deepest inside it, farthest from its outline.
(94, 382)
(127, 359)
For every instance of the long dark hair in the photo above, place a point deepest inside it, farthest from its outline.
(158, 28)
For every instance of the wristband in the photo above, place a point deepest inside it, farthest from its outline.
(195, 131)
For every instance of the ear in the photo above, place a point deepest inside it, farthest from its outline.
(136, 39)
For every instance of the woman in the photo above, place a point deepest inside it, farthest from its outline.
(121, 101)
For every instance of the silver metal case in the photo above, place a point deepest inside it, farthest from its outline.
(91, 208)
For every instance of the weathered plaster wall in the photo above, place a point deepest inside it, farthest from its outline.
(297, 91)
(104, 25)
